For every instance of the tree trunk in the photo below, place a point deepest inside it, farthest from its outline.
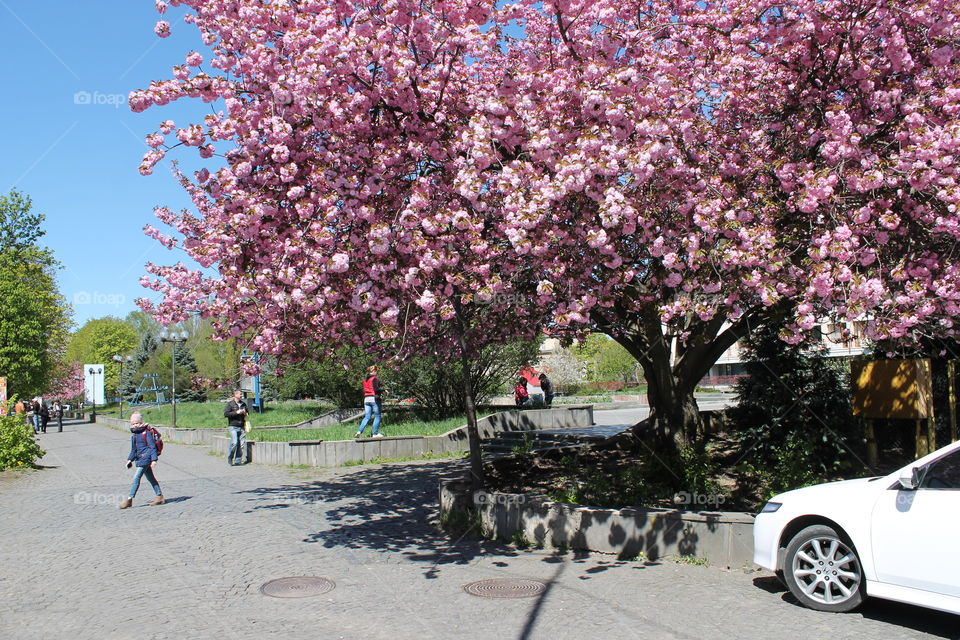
(473, 433)
(673, 377)
(674, 415)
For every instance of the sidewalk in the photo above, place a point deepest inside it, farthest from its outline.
(74, 566)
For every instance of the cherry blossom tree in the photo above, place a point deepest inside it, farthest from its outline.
(67, 383)
(670, 172)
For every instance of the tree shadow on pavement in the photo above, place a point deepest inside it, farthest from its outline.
(389, 509)
(920, 619)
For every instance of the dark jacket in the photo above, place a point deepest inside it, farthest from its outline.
(547, 386)
(143, 449)
(232, 413)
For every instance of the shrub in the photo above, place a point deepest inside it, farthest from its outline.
(18, 448)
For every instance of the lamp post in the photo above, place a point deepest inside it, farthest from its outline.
(120, 360)
(93, 371)
(175, 337)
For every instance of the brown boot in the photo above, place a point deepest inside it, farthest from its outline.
(158, 500)
(126, 504)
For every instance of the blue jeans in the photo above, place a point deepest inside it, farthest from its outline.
(238, 444)
(144, 471)
(370, 406)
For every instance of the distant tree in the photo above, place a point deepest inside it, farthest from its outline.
(133, 373)
(437, 383)
(606, 360)
(566, 371)
(186, 367)
(97, 341)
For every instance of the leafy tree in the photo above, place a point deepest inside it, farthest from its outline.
(793, 415)
(20, 228)
(34, 317)
(336, 378)
(437, 383)
(97, 341)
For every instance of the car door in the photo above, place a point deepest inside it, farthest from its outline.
(916, 534)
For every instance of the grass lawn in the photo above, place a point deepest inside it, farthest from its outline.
(345, 431)
(209, 415)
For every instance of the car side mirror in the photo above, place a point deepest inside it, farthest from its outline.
(910, 478)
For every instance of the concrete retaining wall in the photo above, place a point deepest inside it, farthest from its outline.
(723, 538)
(334, 453)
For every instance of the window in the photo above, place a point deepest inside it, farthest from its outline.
(943, 473)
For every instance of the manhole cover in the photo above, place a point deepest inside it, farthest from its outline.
(297, 587)
(505, 588)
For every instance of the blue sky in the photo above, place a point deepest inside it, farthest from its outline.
(71, 143)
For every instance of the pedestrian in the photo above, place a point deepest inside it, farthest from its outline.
(44, 415)
(19, 408)
(371, 403)
(58, 412)
(520, 395)
(36, 415)
(143, 453)
(547, 387)
(236, 414)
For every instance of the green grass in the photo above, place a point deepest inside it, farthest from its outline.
(209, 415)
(426, 455)
(345, 431)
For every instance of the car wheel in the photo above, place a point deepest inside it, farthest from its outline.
(823, 571)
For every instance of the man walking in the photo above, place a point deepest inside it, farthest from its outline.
(236, 414)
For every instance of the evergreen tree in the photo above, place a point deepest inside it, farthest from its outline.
(793, 416)
(186, 367)
(131, 373)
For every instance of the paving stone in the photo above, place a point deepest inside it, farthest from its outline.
(72, 565)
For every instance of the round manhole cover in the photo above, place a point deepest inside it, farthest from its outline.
(297, 587)
(505, 588)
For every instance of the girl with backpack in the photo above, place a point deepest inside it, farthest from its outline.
(143, 451)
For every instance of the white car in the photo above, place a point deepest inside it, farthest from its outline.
(895, 537)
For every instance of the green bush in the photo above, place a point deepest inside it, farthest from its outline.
(18, 448)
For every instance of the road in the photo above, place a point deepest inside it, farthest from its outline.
(636, 413)
(74, 566)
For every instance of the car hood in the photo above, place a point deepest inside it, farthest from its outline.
(836, 490)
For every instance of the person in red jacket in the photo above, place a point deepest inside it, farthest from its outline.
(371, 403)
(520, 395)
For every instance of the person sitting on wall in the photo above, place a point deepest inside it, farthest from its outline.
(520, 395)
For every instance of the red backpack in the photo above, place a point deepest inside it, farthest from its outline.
(157, 438)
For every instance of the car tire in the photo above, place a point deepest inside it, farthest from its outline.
(823, 571)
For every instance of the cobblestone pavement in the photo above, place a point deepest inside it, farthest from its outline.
(74, 566)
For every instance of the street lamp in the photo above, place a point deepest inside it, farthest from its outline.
(120, 360)
(174, 337)
(93, 371)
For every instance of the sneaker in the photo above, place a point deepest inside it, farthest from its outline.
(126, 504)
(158, 500)
(357, 434)
(378, 435)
